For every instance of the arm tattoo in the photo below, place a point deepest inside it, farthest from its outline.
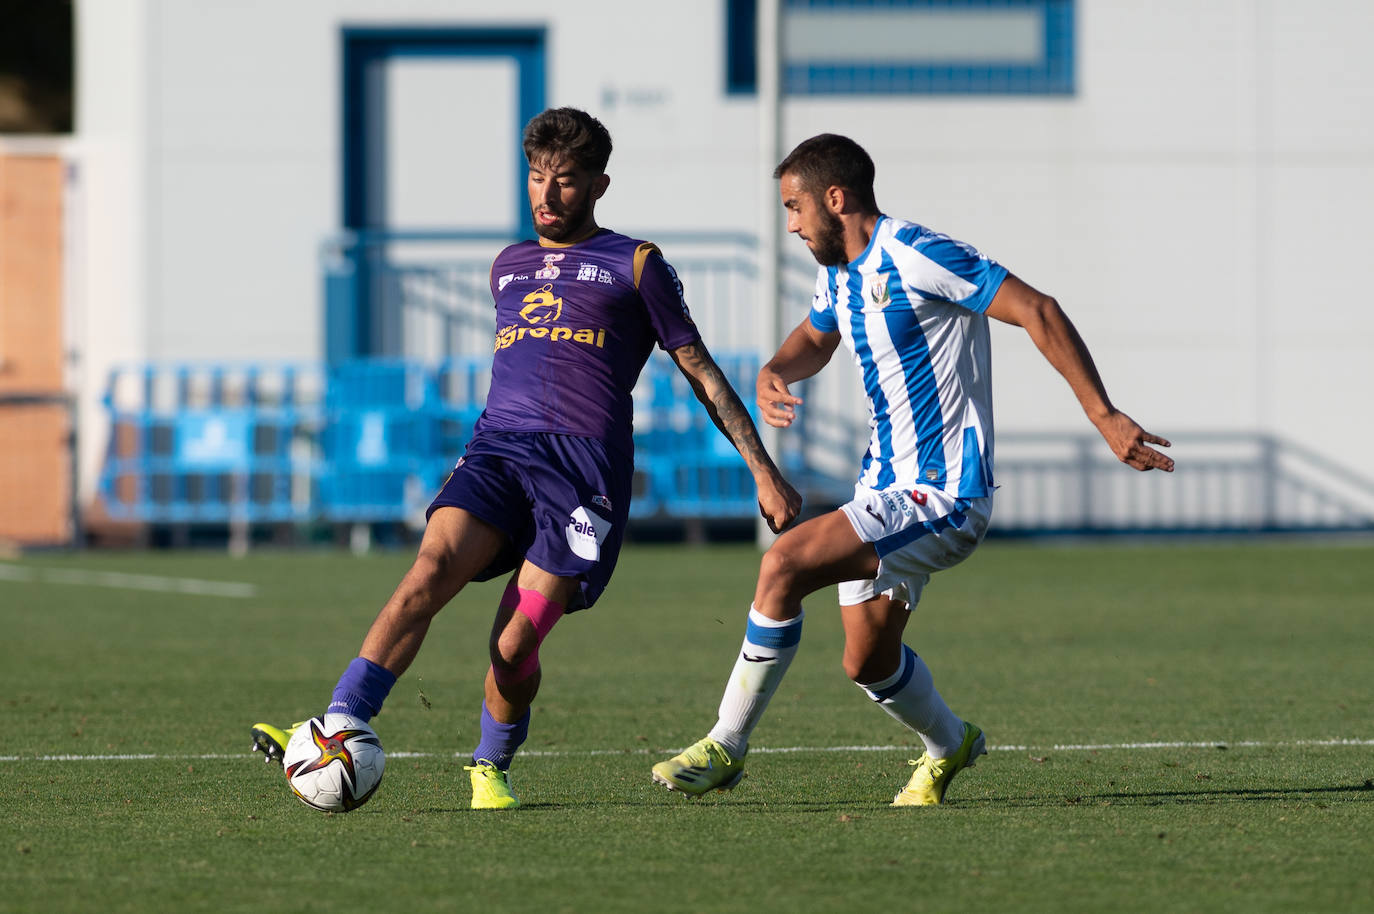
(722, 404)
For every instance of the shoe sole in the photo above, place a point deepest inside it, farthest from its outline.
(721, 787)
(271, 750)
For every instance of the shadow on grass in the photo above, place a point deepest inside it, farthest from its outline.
(647, 805)
(867, 803)
(1164, 797)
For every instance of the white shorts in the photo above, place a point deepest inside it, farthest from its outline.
(917, 532)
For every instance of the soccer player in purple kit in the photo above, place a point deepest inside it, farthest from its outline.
(543, 489)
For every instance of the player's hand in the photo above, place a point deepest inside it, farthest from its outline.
(776, 404)
(779, 503)
(1131, 443)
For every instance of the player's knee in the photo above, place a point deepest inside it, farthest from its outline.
(862, 668)
(779, 571)
(866, 665)
(514, 649)
(513, 646)
(417, 597)
(431, 577)
(854, 666)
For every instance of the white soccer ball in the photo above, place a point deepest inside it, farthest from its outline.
(334, 763)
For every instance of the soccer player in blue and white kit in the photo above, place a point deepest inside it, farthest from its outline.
(912, 306)
(543, 489)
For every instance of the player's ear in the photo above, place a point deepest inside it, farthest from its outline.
(599, 186)
(835, 198)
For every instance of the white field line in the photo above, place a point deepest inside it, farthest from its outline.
(758, 750)
(124, 581)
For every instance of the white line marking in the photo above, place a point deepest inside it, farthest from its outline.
(758, 750)
(124, 581)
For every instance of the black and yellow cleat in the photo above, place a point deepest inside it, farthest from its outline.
(700, 768)
(271, 741)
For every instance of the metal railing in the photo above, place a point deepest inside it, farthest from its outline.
(370, 441)
(1223, 482)
(426, 295)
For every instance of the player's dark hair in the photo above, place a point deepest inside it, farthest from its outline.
(569, 133)
(831, 160)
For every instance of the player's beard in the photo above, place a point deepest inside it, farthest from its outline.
(573, 220)
(827, 246)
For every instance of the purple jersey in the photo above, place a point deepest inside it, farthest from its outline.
(574, 326)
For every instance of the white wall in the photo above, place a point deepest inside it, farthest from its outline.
(1198, 206)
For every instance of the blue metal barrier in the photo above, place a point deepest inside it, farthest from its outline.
(370, 441)
(689, 468)
(211, 444)
(380, 441)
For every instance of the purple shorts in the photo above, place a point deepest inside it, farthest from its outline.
(562, 500)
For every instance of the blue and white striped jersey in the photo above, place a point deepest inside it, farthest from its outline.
(910, 309)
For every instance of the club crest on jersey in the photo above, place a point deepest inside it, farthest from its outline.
(877, 291)
(539, 303)
(550, 269)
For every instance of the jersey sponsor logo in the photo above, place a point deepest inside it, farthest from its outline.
(590, 272)
(542, 309)
(918, 496)
(585, 531)
(601, 501)
(896, 504)
(539, 303)
(503, 281)
(550, 269)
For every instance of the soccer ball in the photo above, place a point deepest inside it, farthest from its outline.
(334, 763)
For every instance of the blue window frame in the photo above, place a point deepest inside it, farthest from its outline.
(916, 47)
(364, 45)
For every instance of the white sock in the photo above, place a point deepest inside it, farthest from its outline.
(909, 695)
(769, 647)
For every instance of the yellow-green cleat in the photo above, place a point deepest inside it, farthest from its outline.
(700, 768)
(490, 786)
(271, 741)
(932, 775)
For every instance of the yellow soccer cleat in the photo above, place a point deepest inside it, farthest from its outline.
(271, 741)
(702, 767)
(932, 775)
(490, 786)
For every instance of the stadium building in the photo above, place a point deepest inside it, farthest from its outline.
(248, 288)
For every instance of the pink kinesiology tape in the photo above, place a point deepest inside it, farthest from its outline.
(542, 613)
(540, 610)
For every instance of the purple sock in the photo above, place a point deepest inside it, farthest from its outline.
(362, 689)
(499, 741)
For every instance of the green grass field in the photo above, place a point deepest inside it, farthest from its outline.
(1171, 728)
